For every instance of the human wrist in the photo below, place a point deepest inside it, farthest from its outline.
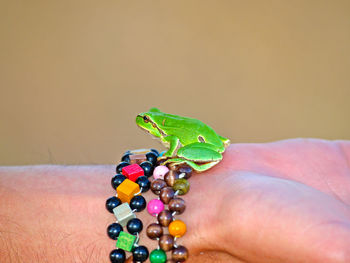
(57, 213)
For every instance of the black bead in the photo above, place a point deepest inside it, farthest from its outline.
(155, 151)
(151, 157)
(144, 183)
(117, 180)
(121, 166)
(138, 202)
(140, 254)
(117, 256)
(113, 230)
(134, 226)
(147, 168)
(112, 203)
(126, 158)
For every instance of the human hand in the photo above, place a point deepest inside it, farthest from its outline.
(286, 201)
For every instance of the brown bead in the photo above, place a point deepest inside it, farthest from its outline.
(166, 194)
(184, 171)
(179, 254)
(154, 231)
(177, 205)
(166, 242)
(165, 218)
(170, 261)
(170, 177)
(157, 185)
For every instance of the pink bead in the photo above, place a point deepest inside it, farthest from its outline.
(160, 171)
(155, 206)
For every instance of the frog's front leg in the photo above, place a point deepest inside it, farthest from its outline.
(173, 143)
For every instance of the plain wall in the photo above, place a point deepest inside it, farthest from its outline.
(74, 74)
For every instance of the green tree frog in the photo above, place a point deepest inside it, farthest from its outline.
(189, 141)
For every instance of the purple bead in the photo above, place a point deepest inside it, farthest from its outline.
(160, 171)
(155, 206)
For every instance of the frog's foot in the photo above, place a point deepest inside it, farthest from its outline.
(163, 158)
(197, 167)
(226, 141)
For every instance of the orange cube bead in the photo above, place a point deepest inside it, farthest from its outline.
(127, 189)
(177, 228)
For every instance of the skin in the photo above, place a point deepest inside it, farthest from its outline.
(189, 141)
(287, 201)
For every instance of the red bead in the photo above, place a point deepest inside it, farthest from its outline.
(132, 172)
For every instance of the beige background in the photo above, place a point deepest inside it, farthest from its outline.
(74, 74)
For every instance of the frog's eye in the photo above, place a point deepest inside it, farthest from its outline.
(145, 119)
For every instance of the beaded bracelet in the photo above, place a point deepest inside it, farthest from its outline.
(168, 184)
(130, 181)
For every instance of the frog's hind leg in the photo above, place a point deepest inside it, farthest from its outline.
(195, 166)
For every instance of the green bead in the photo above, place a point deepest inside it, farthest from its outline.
(126, 241)
(181, 185)
(157, 256)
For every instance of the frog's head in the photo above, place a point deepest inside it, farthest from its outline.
(149, 122)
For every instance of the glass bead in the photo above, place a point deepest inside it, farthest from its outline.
(144, 183)
(166, 242)
(140, 254)
(157, 185)
(157, 256)
(126, 241)
(177, 205)
(138, 202)
(160, 171)
(152, 157)
(166, 195)
(182, 186)
(170, 177)
(155, 151)
(165, 218)
(154, 231)
(179, 254)
(117, 180)
(123, 213)
(161, 154)
(134, 226)
(120, 166)
(113, 230)
(117, 256)
(155, 206)
(127, 189)
(147, 168)
(177, 228)
(184, 171)
(126, 158)
(112, 203)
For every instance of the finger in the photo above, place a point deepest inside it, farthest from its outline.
(321, 164)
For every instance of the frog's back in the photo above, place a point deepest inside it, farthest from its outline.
(188, 130)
